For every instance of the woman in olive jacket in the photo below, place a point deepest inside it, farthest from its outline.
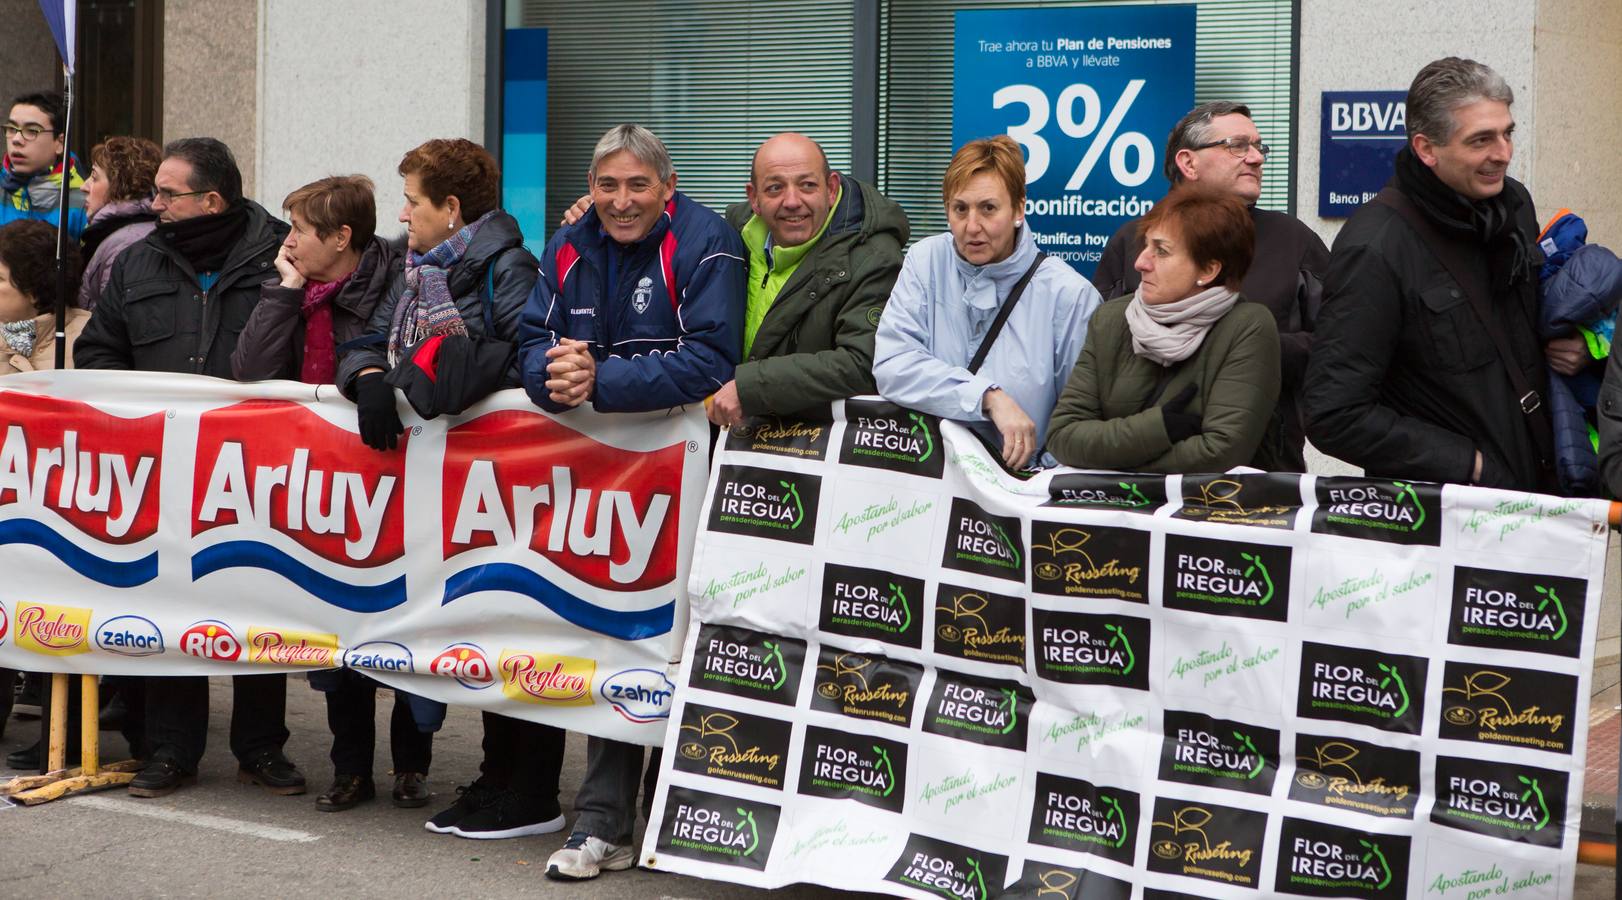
(1182, 376)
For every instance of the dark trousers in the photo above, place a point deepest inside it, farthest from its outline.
(522, 756)
(606, 801)
(177, 717)
(352, 716)
(8, 696)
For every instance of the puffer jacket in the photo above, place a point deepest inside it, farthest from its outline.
(272, 344)
(495, 269)
(156, 317)
(816, 342)
(113, 229)
(1108, 416)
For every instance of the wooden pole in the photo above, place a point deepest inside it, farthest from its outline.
(58, 743)
(90, 726)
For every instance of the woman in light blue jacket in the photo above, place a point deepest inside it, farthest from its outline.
(952, 291)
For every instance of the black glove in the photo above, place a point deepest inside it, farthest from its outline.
(1180, 425)
(379, 421)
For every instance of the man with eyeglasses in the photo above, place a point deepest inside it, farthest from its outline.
(1217, 146)
(35, 161)
(176, 302)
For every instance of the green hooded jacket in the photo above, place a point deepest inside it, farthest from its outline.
(816, 341)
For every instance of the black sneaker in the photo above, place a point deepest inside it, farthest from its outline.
(272, 771)
(470, 798)
(511, 815)
(26, 759)
(160, 778)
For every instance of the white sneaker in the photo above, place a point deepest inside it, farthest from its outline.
(584, 857)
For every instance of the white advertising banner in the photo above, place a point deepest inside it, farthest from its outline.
(910, 672)
(506, 558)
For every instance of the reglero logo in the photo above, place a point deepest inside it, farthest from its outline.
(1204, 840)
(1227, 578)
(980, 542)
(1223, 753)
(1511, 611)
(1503, 800)
(747, 663)
(766, 503)
(858, 767)
(1354, 775)
(1506, 705)
(1085, 491)
(1364, 687)
(948, 869)
(1401, 512)
(1072, 814)
(872, 604)
(1320, 860)
(980, 625)
(719, 829)
(885, 436)
(732, 745)
(1078, 648)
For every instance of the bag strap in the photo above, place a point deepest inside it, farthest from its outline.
(1531, 402)
(1002, 314)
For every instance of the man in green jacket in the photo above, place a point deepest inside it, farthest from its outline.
(824, 251)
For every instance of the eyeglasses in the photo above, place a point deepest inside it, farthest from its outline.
(1238, 146)
(30, 133)
(168, 196)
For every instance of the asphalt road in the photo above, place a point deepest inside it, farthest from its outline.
(220, 838)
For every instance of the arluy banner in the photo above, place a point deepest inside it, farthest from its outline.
(910, 672)
(506, 558)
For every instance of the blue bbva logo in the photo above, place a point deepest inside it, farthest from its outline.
(380, 656)
(129, 636)
(640, 695)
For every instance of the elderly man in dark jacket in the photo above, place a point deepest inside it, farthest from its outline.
(177, 302)
(1427, 363)
(824, 251)
(1217, 145)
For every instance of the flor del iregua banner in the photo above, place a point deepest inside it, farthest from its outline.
(909, 672)
(506, 558)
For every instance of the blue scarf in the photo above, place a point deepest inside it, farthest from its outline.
(426, 307)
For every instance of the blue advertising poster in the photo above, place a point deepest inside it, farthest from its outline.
(1090, 94)
(1361, 132)
(523, 133)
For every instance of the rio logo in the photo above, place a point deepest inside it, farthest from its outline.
(466, 663)
(211, 639)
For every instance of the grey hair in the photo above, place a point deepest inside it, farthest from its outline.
(637, 141)
(1194, 129)
(1445, 85)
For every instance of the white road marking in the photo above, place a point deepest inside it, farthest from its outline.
(201, 820)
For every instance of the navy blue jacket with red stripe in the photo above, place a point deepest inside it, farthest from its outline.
(663, 316)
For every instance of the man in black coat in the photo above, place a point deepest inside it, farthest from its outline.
(1216, 145)
(176, 302)
(1427, 363)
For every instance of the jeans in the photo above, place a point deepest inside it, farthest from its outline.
(606, 801)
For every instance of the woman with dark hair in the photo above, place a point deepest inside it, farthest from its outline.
(466, 273)
(118, 202)
(1183, 375)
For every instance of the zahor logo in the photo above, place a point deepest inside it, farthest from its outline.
(980, 710)
(1517, 803)
(53, 630)
(211, 639)
(716, 828)
(980, 542)
(1265, 501)
(513, 477)
(866, 687)
(1203, 840)
(1364, 687)
(747, 663)
(1072, 814)
(1346, 774)
(801, 437)
(868, 603)
(1199, 749)
(766, 503)
(948, 869)
(546, 678)
(885, 436)
(466, 663)
(1079, 648)
(135, 636)
(1317, 860)
(278, 647)
(859, 767)
(1051, 882)
(1398, 512)
(1090, 561)
(638, 695)
(381, 656)
(732, 745)
(1227, 578)
(1508, 611)
(980, 625)
(1504, 705)
(1134, 493)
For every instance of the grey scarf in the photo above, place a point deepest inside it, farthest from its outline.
(1167, 333)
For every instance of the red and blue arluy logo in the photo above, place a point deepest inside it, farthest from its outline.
(467, 663)
(602, 517)
(81, 484)
(640, 695)
(294, 494)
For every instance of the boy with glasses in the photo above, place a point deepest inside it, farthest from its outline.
(35, 162)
